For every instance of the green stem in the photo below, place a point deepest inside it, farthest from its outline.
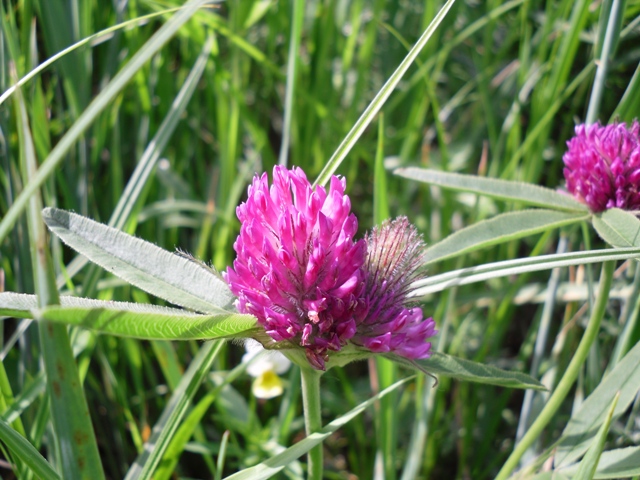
(312, 417)
(569, 376)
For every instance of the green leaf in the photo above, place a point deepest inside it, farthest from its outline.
(19, 446)
(169, 276)
(481, 273)
(276, 463)
(467, 370)
(495, 188)
(579, 432)
(613, 464)
(587, 467)
(618, 228)
(499, 229)
(149, 322)
(151, 326)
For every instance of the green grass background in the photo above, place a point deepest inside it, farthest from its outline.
(496, 92)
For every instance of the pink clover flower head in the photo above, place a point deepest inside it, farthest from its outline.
(298, 268)
(602, 166)
(392, 324)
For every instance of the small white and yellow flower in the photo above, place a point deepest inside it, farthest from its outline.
(265, 369)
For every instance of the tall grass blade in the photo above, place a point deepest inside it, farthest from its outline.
(20, 446)
(74, 434)
(99, 103)
(173, 414)
(275, 464)
(376, 104)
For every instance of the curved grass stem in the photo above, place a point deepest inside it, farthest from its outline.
(569, 377)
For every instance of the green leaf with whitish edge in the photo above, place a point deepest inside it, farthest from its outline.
(618, 228)
(20, 447)
(276, 463)
(499, 229)
(152, 326)
(481, 273)
(467, 370)
(169, 276)
(587, 467)
(495, 188)
(149, 322)
(20, 305)
(618, 463)
(579, 432)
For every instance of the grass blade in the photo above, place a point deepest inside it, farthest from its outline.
(19, 446)
(588, 465)
(376, 104)
(69, 411)
(297, 20)
(278, 462)
(579, 432)
(99, 103)
(164, 430)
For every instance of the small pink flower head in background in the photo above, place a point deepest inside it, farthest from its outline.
(394, 254)
(298, 268)
(309, 283)
(602, 166)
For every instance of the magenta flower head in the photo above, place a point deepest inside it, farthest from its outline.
(298, 268)
(394, 254)
(602, 166)
(311, 285)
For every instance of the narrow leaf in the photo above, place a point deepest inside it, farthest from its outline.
(499, 229)
(20, 305)
(169, 276)
(579, 432)
(588, 465)
(174, 412)
(74, 436)
(376, 104)
(619, 463)
(495, 188)
(467, 370)
(151, 326)
(618, 228)
(21, 448)
(276, 463)
(465, 276)
(99, 103)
